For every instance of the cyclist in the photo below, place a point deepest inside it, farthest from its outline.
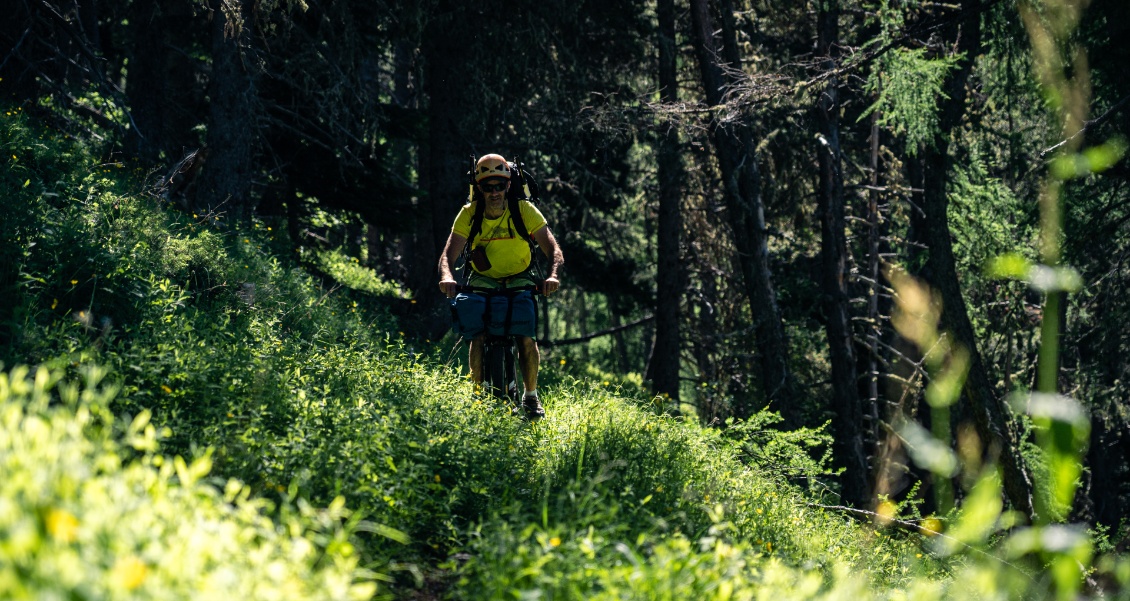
(507, 262)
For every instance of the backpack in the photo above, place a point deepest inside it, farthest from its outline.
(522, 187)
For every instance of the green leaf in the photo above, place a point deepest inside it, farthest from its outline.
(1103, 157)
(1010, 265)
(1042, 278)
(1056, 538)
(927, 451)
(979, 515)
(1054, 279)
(1095, 159)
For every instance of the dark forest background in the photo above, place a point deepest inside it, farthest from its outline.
(730, 181)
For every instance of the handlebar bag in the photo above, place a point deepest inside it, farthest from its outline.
(467, 311)
(513, 314)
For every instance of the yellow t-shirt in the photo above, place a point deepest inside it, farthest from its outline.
(508, 252)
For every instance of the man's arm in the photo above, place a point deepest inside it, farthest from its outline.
(548, 245)
(451, 252)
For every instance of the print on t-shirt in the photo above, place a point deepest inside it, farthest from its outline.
(501, 230)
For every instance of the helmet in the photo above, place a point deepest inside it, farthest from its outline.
(491, 165)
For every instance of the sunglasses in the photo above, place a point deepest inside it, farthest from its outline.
(490, 188)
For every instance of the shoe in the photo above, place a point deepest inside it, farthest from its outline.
(532, 405)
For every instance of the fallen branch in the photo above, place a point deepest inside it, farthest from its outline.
(620, 328)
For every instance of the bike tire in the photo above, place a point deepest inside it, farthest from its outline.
(512, 383)
(494, 370)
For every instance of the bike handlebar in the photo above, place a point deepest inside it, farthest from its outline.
(538, 287)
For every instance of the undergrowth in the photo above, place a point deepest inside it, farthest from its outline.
(314, 433)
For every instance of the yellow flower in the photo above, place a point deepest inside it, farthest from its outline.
(886, 511)
(437, 477)
(73, 282)
(129, 572)
(166, 389)
(62, 525)
(553, 542)
(931, 526)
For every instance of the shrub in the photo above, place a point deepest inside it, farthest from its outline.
(90, 509)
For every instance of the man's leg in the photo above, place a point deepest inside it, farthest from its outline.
(530, 358)
(475, 359)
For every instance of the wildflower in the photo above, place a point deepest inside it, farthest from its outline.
(886, 511)
(166, 389)
(931, 526)
(129, 572)
(62, 525)
(554, 542)
(74, 282)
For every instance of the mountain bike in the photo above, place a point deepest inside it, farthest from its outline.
(501, 370)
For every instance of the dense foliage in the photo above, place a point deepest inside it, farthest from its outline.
(276, 395)
(826, 261)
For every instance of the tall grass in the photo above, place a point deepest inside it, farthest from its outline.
(90, 509)
(313, 432)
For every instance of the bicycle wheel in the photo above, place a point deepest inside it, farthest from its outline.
(494, 369)
(512, 383)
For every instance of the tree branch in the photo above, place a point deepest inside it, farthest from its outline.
(620, 328)
(1087, 126)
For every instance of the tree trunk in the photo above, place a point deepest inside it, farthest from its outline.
(991, 417)
(225, 183)
(704, 341)
(443, 172)
(849, 446)
(145, 88)
(663, 367)
(736, 152)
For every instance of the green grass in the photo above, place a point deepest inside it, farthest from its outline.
(91, 510)
(318, 441)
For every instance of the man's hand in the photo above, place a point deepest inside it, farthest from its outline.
(448, 287)
(550, 286)
(451, 251)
